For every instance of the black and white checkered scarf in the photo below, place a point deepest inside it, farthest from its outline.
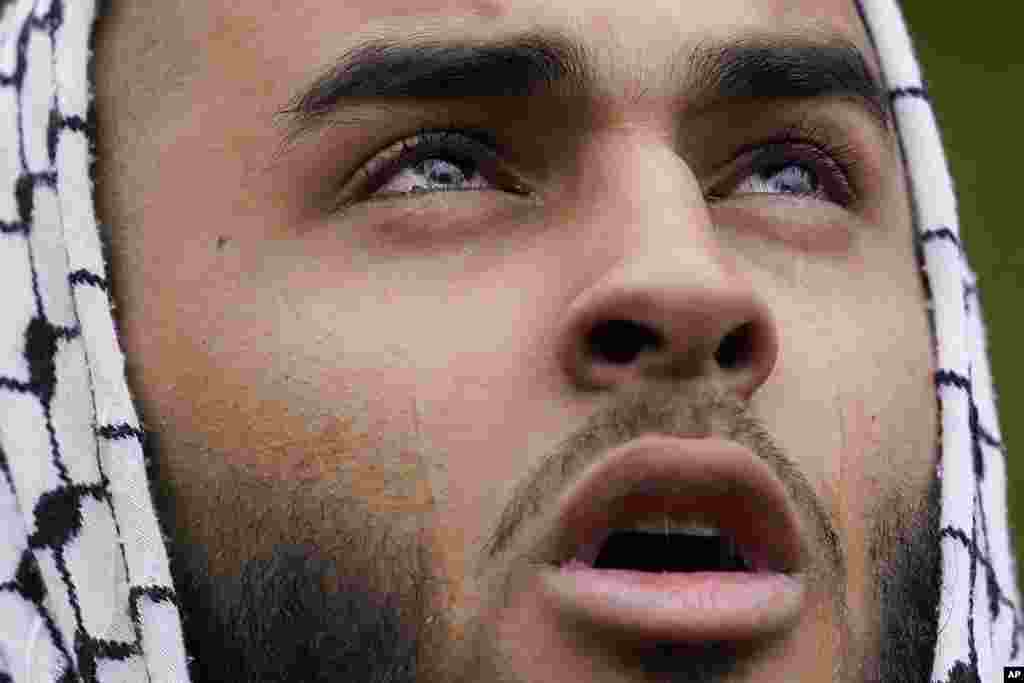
(85, 591)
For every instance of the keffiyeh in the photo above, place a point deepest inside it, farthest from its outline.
(85, 590)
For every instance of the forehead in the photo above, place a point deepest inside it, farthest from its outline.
(629, 42)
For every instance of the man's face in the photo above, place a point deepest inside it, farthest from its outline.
(676, 291)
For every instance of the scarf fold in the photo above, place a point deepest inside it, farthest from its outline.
(85, 590)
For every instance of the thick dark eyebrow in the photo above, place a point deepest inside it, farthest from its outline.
(778, 68)
(542, 63)
(527, 64)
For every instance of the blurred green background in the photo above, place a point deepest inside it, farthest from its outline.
(975, 74)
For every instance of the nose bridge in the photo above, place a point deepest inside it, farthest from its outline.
(647, 195)
(673, 302)
(634, 165)
(642, 190)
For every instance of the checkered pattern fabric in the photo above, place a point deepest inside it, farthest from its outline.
(980, 618)
(85, 591)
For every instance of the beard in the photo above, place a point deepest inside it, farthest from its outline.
(298, 613)
(906, 549)
(273, 622)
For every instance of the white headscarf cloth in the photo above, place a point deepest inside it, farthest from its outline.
(85, 591)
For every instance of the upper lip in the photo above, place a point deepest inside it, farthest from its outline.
(718, 482)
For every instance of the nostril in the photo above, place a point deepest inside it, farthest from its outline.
(736, 349)
(621, 341)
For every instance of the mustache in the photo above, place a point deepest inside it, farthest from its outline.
(693, 410)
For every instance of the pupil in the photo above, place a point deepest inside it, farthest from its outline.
(440, 172)
(794, 179)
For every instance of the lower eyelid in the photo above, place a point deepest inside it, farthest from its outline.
(413, 149)
(837, 176)
(830, 172)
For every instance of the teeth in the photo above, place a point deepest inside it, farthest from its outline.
(671, 526)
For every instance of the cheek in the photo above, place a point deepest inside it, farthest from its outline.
(256, 465)
(861, 447)
(887, 453)
(239, 395)
(861, 437)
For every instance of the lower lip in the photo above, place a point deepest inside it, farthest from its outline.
(678, 607)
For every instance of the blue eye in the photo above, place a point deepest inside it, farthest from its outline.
(792, 178)
(796, 164)
(438, 161)
(796, 168)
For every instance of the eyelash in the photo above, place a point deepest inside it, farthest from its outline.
(834, 164)
(464, 145)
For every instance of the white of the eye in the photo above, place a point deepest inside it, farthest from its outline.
(431, 175)
(791, 179)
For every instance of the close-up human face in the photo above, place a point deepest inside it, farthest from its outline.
(542, 341)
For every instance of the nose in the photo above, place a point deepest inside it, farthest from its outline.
(675, 305)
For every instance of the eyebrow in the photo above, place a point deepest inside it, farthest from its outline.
(534, 64)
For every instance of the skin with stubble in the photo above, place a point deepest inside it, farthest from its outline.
(364, 404)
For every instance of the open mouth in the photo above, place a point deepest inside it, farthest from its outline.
(686, 540)
(673, 548)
